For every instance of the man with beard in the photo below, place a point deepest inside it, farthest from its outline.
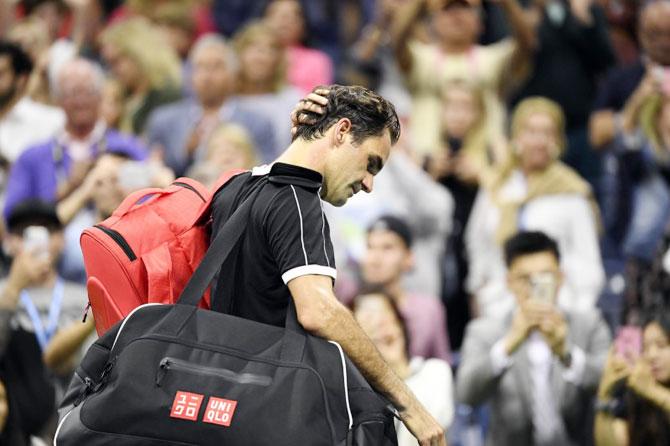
(23, 122)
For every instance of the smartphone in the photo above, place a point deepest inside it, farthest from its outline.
(36, 240)
(543, 287)
(628, 343)
(134, 175)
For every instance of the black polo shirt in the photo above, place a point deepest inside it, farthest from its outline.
(287, 236)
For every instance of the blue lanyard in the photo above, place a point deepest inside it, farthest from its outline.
(44, 335)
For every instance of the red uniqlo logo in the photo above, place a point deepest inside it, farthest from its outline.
(186, 405)
(219, 411)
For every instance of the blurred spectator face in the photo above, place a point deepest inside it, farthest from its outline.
(536, 142)
(655, 32)
(108, 193)
(50, 13)
(177, 37)
(387, 258)
(123, 67)
(79, 94)
(111, 107)
(286, 18)
(460, 111)
(457, 23)
(525, 269)
(656, 350)
(226, 154)
(376, 317)
(213, 79)
(260, 59)
(14, 245)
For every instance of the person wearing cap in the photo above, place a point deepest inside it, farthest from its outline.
(35, 298)
(454, 54)
(388, 257)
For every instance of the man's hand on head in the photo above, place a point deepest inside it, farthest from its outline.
(314, 103)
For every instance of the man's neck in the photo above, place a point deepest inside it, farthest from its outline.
(396, 290)
(455, 48)
(49, 282)
(260, 87)
(307, 154)
(9, 106)
(81, 132)
(214, 105)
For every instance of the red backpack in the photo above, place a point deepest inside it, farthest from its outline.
(148, 249)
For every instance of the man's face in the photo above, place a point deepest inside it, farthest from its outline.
(350, 168)
(80, 97)
(655, 33)
(212, 77)
(285, 17)
(457, 23)
(8, 81)
(525, 269)
(387, 257)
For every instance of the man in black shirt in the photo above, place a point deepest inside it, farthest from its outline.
(286, 251)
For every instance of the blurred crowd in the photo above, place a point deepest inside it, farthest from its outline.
(513, 261)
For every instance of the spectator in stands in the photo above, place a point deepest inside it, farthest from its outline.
(388, 257)
(34, 297)
(307, 67)
(148, 69)
(620, 89)
(176, 21)
(464, 158)
(262, 78)
(537, 365)
(56, 169)
(634, 396)
(535, 191)
(181, 130)
(23, 122)
(431, 379)
(454, 53)
(229, 147)
(572, 51)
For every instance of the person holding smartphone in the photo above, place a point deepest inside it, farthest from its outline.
(35, 300)
(634, 394)
(538, 365)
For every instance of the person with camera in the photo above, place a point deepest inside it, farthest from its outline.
(634, 394)
(538, 365)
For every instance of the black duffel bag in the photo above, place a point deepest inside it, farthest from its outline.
(180, 375)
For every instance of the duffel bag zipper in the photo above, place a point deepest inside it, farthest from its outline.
(191, 188)
(118, 238)
(169, 363)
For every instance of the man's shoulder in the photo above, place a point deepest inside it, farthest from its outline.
(171, 112)
(585, 319)
(37, 153)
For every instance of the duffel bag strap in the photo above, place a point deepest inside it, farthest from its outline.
(219, 250)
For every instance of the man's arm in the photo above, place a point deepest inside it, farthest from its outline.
(401, 29)
(320, 313)
(522, 28)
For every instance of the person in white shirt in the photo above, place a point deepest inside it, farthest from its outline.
(23, 122)
(537, 365)
(430, 379)
(534, 190)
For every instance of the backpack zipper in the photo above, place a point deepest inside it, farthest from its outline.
(191, 188)
(118, 238)
(169, 363)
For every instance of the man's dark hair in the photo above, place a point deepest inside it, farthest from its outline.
(21, 62)
(529, 242)
(369, 113)
(33, 212)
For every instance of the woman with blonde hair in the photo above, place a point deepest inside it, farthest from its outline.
(534, 190)
(229, 147)
(147, 68)
(262, 78)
